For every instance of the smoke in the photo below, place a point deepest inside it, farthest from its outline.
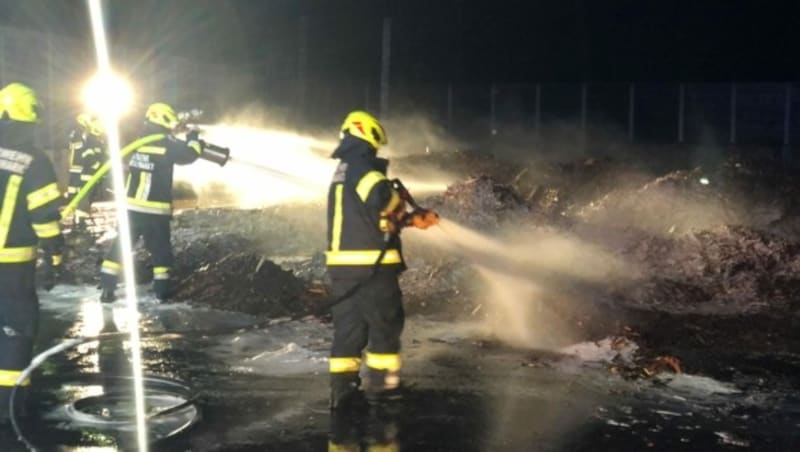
(417, 135)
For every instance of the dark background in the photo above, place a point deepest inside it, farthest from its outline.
(470, 68)
(459, 40)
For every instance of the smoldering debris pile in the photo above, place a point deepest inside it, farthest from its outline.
(702, 240)
(205, 251)
(223, 258)
(221, 261)
(726, 269)
(245, 282)
(482, 203)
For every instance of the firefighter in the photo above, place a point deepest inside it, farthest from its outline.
(363, 261)
(29, 217)
(86, 152)
(149, 193)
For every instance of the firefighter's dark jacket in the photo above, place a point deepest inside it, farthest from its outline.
(30, 197)
(85, 157)
(149, 185)
(359, 201)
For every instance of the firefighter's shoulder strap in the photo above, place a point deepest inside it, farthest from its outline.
(375, 191)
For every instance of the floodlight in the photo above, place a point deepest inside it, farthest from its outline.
(107, 95)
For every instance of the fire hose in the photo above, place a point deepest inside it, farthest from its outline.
(39, 359)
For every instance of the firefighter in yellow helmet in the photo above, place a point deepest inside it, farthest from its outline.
(86, 155)
(363, 261)
(29, 219)
(149, 194)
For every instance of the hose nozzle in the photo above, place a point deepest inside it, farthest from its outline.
(215, 154)
(423, 218)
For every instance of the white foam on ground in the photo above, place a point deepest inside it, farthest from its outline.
(605, 350)
(292, 347)
(81, 304)
(700, 386)
(731, 440)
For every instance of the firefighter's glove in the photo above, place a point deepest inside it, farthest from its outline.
(392, 223)
(193, 135)
(423, 218)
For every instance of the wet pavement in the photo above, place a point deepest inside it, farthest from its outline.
(266, 389)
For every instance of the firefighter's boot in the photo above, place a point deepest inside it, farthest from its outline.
(345, 393)
(345, 432)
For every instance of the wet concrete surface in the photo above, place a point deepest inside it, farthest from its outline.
(266, 390)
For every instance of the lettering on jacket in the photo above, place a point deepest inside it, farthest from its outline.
(341, 170)
(142, 162)
(14, 161)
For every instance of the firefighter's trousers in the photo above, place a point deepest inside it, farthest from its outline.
(155, 231)
(19, 316)
(371, 318)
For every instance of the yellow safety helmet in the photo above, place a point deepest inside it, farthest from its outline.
(162, 114)
(361, 124)
(90, 123)
(18, 102)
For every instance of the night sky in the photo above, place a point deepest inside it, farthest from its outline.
(458, 40)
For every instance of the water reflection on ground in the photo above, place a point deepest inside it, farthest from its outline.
(266, 389)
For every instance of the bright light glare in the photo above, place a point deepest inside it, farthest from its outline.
(110, 109)
(107, 94)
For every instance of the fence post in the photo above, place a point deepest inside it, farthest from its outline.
(787, 124)
(450, 107)
(681, 111)
(631, 112)
(302, 66)
(493, 109)
(733, 113)
(584, 112)
(386, 59)
(537, 112)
